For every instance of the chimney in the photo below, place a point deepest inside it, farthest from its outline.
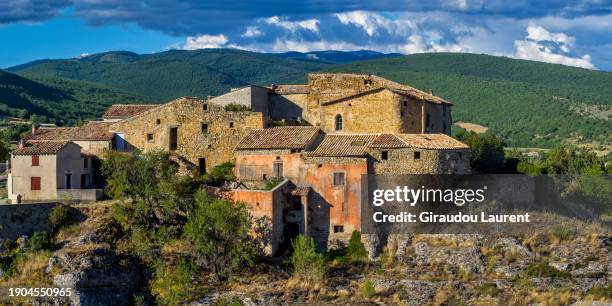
(21, 143)
(35, 127)
(430, 91)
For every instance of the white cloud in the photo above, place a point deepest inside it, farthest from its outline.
(252, 32)
(539, 45)
(308, 24)
(371, 23)
(205, 41)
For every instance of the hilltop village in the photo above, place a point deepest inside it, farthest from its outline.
(316, 140)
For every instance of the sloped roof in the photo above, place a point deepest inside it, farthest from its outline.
(127, 110)
(432, 141)
(282, 137)
(387, 141)
(343, 145)
(92, 131)
(41, 147)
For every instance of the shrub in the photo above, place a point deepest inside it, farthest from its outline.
(271, 184)
(172, 284)
(542, 269)
(233, 107)
(368, 290)
(307, 263)
(220, 174)
(220, 234)
(40, 241)
(59, 216)
(355, 249)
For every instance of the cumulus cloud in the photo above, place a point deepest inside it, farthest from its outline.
(308, 24)
(205, 41)
(542, 45)
(251, 32)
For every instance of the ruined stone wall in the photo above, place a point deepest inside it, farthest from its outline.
(215, 143)
(95, 147)
(267, 204)
(404, 161)
(16, 220)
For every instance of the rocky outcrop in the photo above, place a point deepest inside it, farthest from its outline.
(97, 276)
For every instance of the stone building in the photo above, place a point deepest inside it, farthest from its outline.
(322, 174)
(200, 133)
(50, 170)
(356, 103)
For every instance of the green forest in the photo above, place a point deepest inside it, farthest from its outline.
(526, 103)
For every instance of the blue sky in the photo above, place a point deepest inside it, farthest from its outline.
(576, 33)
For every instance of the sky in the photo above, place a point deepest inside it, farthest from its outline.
(575, 33)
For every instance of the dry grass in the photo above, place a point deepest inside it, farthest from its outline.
(30, 271)
(472, 127)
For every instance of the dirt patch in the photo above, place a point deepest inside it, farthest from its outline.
(472, 127)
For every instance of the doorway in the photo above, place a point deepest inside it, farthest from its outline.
(68, 180)
(173, 141)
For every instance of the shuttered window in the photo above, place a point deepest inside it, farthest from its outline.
(35, 183)
(339, 179)
(35, 160)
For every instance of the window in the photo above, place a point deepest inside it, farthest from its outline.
(204, 128)
(85, 163)
(35, 183)
(158, 121)
(231, 125)
(277, 168)
(367, 82)
(339, 179)
(338, 123)
(384, 155)
(205, 107)
(338, 229)
(68, 180)
(150, 137)
(427, 121)
(35, 160)
(173, 143)
(402, 113)
(405, 103)
(84, 181)
(417, 155)
(202, 165)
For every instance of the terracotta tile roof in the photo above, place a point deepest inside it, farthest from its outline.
(127, 110)
(91, 131)
(282, 137)
(41, 147)
(290, 89)
(387, 141)
(343, 145)
(432, 141)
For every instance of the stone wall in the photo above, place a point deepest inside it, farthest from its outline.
(254, 97)
(404, 161)
(290, 106)
(204, 130)
(16, 220)
(259, 165)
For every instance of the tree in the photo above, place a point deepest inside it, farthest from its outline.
(219, 234)
(307, 263)
(5, 151)
(158, 196)
(486, 151)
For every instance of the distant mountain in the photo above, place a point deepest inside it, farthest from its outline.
(529, 104)
(56, 100)
(337, 57)
(171, 74)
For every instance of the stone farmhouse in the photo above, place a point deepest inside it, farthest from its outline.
(312, 142)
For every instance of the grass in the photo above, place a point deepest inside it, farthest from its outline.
(367, 289)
